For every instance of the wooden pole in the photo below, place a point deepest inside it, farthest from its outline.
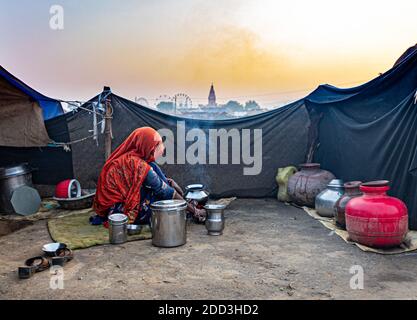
(108, 129)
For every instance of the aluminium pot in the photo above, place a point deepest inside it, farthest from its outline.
(196, 192)
(215, 219)
(326, 200)
(306, 184)
(12, 178)
(168, 223)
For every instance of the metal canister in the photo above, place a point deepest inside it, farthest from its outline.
(168, 224)
(215, 219)
(326, 200)
(118, 228)
(11, 178)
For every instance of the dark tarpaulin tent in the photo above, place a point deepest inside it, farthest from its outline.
(24, 134)
(362, 133)
(51, 164)
(406, 54)
(284, 142)
(370, 132)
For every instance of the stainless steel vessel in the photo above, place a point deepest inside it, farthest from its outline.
(169, 228)
(11, 178)
(326, 200)
(215, 219)
(196, 192)
(118, 228)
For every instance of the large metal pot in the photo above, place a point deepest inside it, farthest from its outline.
(12, 178)
(168, 223)
(305, 185)
(326, 200)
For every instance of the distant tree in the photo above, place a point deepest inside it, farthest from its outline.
(252, 105)
(234, 106)
(165, 106)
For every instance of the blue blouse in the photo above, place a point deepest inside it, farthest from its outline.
(154, 188)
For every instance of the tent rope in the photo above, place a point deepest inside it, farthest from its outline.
(67, 145)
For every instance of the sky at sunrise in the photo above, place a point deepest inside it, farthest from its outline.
(273, 51)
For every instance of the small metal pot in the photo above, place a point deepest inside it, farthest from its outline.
(196, 192)
(215, 219)
(326, 200)
(11, 179)
(118, 228)
(168, 223)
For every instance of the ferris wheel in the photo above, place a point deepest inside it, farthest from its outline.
(142, 101)
(182, 101)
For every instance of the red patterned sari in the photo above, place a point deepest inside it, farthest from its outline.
(124, 172)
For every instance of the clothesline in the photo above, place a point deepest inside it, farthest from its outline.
(103, 114)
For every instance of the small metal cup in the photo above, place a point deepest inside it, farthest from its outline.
(118, 228)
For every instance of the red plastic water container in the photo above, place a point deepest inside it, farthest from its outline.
(376, 219)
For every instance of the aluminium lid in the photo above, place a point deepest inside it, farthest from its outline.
(14, 170)
(169, 204)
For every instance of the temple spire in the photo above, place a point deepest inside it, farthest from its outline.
(212, 97)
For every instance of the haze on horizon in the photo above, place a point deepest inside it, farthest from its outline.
(272, 51)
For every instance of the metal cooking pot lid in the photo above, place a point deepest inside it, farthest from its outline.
(336, 183)
(16, 170)
(214, 206)
(25, 200)
(195, 187)
(168, 204)
(118, 217)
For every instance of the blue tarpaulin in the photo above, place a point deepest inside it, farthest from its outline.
(51, 108)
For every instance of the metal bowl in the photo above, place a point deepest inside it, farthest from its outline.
(83, 202)
(133, 229)
(50, 249)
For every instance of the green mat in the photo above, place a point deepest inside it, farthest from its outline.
(76, 231)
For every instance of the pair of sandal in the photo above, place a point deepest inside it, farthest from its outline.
(42, 263)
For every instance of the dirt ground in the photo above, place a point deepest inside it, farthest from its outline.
(268, 251)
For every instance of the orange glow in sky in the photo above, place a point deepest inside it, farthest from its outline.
(268, 50)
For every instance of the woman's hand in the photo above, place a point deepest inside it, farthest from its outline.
(174, 185)
(198, 214)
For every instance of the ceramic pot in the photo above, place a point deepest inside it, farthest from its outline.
(376, 219)
(351, 191)
(305, 185)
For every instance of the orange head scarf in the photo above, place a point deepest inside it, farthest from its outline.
(125, 171)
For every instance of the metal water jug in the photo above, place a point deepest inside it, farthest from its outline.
(196, 192)
(215, 219)
(326, 200)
